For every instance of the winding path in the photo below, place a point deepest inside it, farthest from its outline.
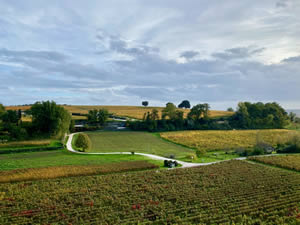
(155, 157)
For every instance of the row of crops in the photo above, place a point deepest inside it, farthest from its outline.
(226, 139)
(287, 161)
(69, 171)
(229, 191)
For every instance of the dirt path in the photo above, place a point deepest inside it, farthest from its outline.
(155, 157)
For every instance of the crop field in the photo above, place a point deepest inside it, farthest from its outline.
(227, 192)
(143, 142)
(291, 162)
(128, 111)
(68, 171)
(224, 140)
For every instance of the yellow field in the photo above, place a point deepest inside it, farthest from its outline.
(225, 140)
(128, 111)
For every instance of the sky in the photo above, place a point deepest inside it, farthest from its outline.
(122, 52)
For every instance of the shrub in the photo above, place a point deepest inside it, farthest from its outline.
(200, 152)
(83, 142)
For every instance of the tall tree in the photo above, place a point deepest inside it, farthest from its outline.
(98, 116)
(169, 111)
(199, 111)
(50, 118)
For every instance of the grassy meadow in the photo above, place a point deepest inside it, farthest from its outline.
(143, 142)
(136, 112)
(56, 158)
(212, 140)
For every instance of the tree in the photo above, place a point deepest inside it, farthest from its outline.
(50, 118)
(10, 116)
(169, 111)
(145, 103)
(83, 142)
(230, 109)
(2, 110)
(102, 116)
(292, 116)
(199, 111)
(98, 116)
(184, 104)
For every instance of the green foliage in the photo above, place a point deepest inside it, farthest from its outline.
(200, 152)
(169, 111)
(230, 109)
(199, 111)
(83, 142)
(98, 116)
(51, 119)
(259, 116)
(2, 110)
(184, 104)
(10, 116)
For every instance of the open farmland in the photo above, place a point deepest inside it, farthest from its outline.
(227, 192)
(224, 140)
(128, 111)
(285, 161)
(142, 142)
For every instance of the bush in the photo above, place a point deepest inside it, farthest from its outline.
(83, 142)
(200, 152)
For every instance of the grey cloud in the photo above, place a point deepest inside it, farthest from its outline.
(238, 53)
(189, 54)
(282, 4)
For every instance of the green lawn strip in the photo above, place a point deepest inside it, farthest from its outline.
(142, 142)
(63, 158)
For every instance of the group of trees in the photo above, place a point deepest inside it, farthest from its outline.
(48, 119)
(173, 118)
(248, 116)
(97, 116)
(259, 116)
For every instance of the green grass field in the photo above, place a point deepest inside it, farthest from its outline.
(142, 142)
(62, 158)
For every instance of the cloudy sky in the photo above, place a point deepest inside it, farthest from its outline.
(120, 52)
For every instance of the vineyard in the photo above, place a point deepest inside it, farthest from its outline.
(227, 192)
(224, 140)
(287, 161)
(128, 111)
(68, 171)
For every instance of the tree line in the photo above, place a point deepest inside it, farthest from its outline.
(48, 120)
(247, 116)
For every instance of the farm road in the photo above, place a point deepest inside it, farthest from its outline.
(184, 164)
